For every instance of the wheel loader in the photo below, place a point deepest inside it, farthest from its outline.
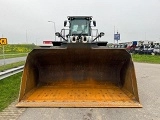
(79, 70)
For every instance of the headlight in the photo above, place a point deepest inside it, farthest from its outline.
(73, 39)
(84, 39)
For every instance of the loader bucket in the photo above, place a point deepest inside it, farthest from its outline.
(79, 75)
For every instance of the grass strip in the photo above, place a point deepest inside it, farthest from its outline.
(146, 58)
(9, 90)
(12, 65)
(13, 55)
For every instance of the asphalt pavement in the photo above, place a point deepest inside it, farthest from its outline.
(11, 60)
(148, 79)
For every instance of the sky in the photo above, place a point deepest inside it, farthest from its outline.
(26, 21)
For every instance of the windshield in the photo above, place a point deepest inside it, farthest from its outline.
(79, 27)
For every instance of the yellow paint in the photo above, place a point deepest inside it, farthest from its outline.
(79, 76)
(60, 93)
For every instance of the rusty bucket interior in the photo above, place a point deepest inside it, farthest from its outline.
(79, 76)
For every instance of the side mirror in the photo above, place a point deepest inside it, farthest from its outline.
(58, 34)
(101, 34)
(65, 23)
(94, 23)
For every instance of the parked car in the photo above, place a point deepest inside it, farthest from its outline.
(156, 50)
(143, 49)
(131, 48)
(138, 50)
(148, 50)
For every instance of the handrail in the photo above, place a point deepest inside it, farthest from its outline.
(10, 72)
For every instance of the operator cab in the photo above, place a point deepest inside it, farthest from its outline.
(80, 30)
(80, 26)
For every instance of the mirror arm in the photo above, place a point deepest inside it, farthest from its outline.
(100, 35)
(96, 38)
(59, 35)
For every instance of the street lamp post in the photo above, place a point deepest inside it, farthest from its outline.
(54, 28)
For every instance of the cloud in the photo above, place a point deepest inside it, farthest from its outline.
(132, 18)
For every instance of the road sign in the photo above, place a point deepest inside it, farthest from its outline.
(3, 41)
(116, 36)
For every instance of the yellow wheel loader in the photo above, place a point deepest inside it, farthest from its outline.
(79, 71)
